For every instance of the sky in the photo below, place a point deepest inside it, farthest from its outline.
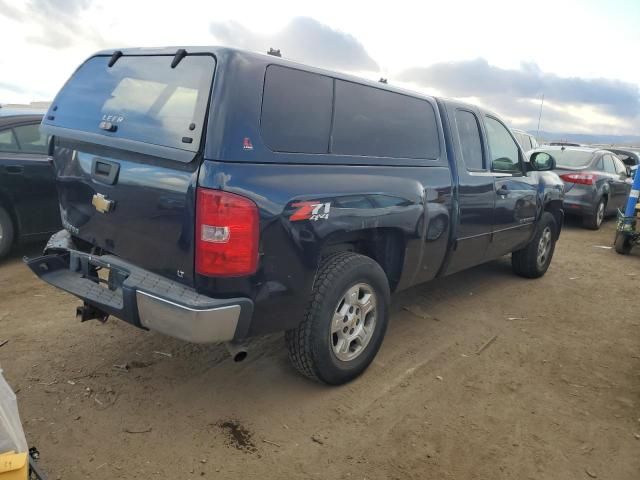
(583, 55)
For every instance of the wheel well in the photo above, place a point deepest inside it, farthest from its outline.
(384, 245)
(554, 207)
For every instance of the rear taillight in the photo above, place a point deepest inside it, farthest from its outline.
(581, 178)
(226, 234)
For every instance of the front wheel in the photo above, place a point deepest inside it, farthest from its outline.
(345, 321)
(533, 260)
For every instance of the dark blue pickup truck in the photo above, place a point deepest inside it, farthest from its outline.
(213, 195)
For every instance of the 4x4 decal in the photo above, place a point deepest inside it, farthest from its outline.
(310, 211)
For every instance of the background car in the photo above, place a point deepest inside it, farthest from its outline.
(596, 182)
(561, 143)
(28, 195)
(526, 140)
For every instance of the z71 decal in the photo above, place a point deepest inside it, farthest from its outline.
(310, 211)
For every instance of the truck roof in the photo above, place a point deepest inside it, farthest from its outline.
(222, 53)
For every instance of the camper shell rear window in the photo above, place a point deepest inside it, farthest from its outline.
(139, 98)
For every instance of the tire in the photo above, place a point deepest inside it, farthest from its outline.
(530, 262)
(319, 350)
(594, 221)
(7, 232)
(623, 244)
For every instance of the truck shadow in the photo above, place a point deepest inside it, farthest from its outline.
(141, 364)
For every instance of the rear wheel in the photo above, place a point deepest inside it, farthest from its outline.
(533, 260)
(623, 244)
(345, 321)
(595, 219)
(6, 232)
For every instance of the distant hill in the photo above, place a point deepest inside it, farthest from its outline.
(589, 138)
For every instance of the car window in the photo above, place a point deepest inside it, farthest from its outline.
(296, 110)
(8, 141)
(505, 155)
(470, 140)
(373, 122)
(619, 166)
(609, 166)
(599, 165)
(30, 139)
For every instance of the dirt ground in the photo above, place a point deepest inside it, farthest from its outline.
(555, 395)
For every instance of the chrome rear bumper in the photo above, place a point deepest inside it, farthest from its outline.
(209, 325)
(140, 297)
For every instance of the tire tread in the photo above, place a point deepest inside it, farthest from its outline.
(524, 261)
(299, 342)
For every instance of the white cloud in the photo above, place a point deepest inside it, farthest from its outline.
(45, 40)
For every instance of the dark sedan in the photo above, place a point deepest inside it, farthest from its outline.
(596, 182)
(28, 196)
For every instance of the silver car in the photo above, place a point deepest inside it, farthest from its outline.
(596, 181)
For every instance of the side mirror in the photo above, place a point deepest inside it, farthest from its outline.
(542, 161)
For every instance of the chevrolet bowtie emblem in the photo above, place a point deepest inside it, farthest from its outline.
(102, 204)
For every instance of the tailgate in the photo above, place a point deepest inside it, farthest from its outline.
(127, 131)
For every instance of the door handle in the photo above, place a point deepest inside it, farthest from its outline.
(105, 171)
(15, 169)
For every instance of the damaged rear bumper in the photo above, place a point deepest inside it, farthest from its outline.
(140, 297)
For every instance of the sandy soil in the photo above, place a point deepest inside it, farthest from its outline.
(556, 394)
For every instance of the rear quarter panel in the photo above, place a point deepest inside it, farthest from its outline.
(407, 200)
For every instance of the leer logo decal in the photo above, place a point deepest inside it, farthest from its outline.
(310, 211)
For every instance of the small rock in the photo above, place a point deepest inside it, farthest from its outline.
(204, 460)
(317, 439)
(590, 473)
(438, 377)
(637, 436)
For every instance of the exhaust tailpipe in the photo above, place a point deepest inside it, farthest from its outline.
(238, 351)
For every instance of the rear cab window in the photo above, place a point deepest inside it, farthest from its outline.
(470, 140)
(141, 98)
